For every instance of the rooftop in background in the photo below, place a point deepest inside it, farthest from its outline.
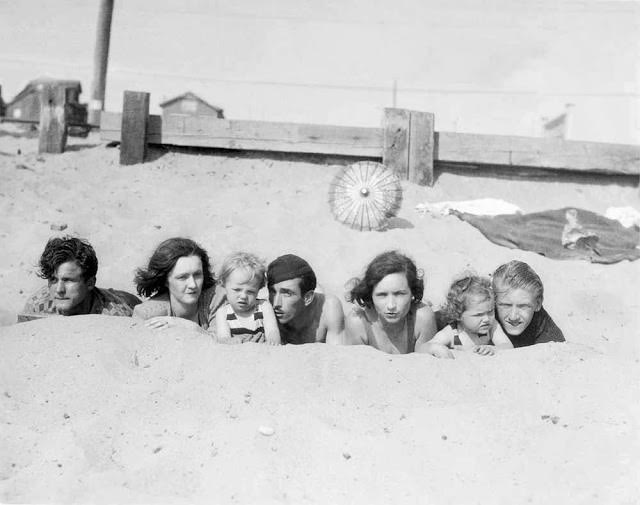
(190, 104)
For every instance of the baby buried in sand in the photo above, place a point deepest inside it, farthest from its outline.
(244, 317)
(470, 314)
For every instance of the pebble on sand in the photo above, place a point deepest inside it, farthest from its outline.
(267, 431)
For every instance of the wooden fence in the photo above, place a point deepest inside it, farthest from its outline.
(406, 143)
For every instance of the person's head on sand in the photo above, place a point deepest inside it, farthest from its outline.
(470, 304)
(242, 275)
(391, 285)
(292, 283)
(178, 267)
(519, 293)
(70, 266)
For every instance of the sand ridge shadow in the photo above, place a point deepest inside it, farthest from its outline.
(534, 174)
(399, 223)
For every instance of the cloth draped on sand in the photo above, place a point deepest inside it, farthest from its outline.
(543, 233)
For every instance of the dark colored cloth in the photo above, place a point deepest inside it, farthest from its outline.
(288, 267)
(541, 330)
(441, 321)
(541, 232)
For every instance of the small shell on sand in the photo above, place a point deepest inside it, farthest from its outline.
(267, 431)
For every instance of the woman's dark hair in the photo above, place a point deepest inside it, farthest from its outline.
(386, 263)
(153, 280)
(59, 250)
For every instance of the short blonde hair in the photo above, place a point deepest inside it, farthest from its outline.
(246, 261)
(517, 275)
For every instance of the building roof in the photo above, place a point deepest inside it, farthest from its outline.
(33, 85)
(189, 96)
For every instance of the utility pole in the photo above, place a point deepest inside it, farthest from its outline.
(100, 60)
(394, 94)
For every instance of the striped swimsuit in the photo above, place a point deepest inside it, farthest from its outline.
(240, 330)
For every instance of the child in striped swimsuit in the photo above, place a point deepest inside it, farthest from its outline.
(245, 317)
(469, 311)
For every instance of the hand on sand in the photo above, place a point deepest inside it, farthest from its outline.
(441, 351)
(164, 322)
(269, 340)
(484, 350)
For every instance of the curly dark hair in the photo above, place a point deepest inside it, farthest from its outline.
(59, 250)
(386, 263)
(460, 291)
(153, 280)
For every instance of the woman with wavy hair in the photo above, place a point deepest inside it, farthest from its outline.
(388, 312)
(180, 286)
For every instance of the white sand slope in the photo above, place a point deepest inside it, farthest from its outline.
(101, 410)
(166, 418)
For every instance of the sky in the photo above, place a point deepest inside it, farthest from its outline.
(481, 66)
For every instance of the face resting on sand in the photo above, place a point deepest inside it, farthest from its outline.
(287, 299)
(478, 315)
(242, 291)
(392, 298)
(516, 308)
(69, 289)
(185, 280)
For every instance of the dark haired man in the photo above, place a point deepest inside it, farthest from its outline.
(304, 315)
(70, 266)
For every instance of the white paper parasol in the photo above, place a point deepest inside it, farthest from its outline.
(365, 195)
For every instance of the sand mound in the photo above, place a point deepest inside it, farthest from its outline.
(101, 410)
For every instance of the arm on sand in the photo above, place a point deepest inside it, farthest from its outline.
(271, 331)
(437, 346)
(223, 332)
(500, 340)
(333, 320)
(164, 322)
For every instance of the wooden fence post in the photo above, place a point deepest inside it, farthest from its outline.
(395, 149)
(421, 145)
(135, 116)
(53, 119)
(408, 144)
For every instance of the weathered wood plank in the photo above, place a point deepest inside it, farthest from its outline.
(395, 149)
(204, 131)
(556, 154)
(450, 148)
(421, 144)
(133, 146)
(53, 119)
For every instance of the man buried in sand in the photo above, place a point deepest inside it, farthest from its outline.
(519, 293)
(304, 316)
(70, 266)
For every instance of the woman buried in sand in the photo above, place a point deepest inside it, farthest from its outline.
(471, 323)
(180, 285)
(388, 312)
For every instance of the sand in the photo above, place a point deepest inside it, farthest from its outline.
(100, 410)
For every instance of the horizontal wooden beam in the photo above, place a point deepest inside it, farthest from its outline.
(450, 148)
(546, 153)
(205, 131)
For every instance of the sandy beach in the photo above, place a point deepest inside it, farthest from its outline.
(101, 410)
